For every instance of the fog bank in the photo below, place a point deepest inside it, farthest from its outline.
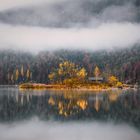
(39, 130)
(34, 39)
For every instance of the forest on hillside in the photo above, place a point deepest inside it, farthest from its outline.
(19, 67)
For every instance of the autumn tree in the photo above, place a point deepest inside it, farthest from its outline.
(28, 74)
(112, 80)
(17, 75)
(68, 73)
(81, 74)
(67, 70)
(22, 71)
(97, 71)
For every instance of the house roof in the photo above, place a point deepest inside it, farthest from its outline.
(95, 78)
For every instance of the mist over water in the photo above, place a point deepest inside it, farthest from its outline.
(35, 129)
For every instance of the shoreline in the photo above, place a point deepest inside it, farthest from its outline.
(37, 86)
(88, 87)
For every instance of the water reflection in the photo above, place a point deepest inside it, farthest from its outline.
(118, 106)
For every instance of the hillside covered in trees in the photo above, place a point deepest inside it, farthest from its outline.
(20, 67)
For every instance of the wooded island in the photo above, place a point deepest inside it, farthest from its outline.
(69, 75)
(71, 69)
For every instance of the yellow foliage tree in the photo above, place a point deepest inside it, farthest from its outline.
(67, 69)
(97, 71)
(17, 74)
(71, 82)
(112, 80)
(82, 73)
(68, 73)
(22, 71)
(119, 84)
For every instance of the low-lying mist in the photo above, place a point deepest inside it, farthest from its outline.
(35, 39)
(38, 130)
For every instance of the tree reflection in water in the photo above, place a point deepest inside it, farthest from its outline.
(117, 105)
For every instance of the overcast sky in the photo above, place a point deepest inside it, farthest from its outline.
(37, 25)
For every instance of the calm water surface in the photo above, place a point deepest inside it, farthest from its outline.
(71, 115)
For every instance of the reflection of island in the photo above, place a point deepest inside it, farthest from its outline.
(71, 106)
(97, 103)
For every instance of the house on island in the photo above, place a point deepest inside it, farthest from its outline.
(96, 79)
(97, 76)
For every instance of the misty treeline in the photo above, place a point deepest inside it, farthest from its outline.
(18, 67)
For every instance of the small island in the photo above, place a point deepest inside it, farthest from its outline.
(68, 75)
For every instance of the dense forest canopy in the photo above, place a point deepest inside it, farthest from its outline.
(18, 67)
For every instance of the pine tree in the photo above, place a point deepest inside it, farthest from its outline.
(28, 74)
(96, 71)
(22, 78)
(22, 71)
(17, 75)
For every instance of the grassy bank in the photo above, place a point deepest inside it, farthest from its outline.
(94, 86)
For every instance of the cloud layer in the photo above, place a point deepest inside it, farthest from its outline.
(106, 36)
(9, 4)
(69, 13)
(77, 24)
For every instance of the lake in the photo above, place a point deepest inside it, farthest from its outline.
(69, 114)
